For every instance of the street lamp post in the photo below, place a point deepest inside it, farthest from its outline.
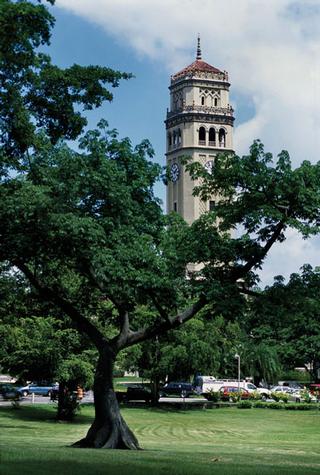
(237, 356)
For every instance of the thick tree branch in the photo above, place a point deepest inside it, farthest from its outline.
(163, 314)
(82, 324)
(159, 328)
(251, 293)
(121, 340)
(240, 272)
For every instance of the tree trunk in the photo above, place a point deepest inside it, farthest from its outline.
(155, 390)
(108, 430)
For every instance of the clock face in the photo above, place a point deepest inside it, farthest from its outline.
(209, 166)
(174, 172)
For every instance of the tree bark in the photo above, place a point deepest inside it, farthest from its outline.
(108, 430)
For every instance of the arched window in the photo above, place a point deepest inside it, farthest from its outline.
(215, 102)
(169, 139)
(179, 137)
(174, 140)
(212, 137)
(202, 100)
(202, 136)
(222, 138)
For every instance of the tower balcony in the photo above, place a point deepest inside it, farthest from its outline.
(185, 109)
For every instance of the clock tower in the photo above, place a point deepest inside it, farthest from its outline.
(199, 124)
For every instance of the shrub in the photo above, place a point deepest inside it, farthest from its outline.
(305, 395)
(213, 396)
(280, 397)
(261, 405)
(255, 395)
(274, 405)
(244, 405)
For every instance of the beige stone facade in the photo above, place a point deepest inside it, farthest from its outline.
(199, 124)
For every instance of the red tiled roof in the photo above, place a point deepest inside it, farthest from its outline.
(197, 65)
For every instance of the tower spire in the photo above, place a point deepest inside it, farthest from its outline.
(199, 56)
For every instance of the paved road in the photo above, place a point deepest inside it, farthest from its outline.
(88, 398)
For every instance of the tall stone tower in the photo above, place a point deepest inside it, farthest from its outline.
(199, 124)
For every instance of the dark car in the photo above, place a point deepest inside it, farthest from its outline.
(138, 392)
(181, 389)
(9, 391)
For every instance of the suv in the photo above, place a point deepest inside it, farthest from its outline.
(181, 389)
(138, 392)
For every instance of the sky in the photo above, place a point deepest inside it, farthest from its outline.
(270, 48)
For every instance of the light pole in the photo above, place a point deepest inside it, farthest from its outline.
(237, 356)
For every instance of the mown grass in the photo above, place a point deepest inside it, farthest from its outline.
(217, 441)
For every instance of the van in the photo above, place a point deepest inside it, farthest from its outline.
(206, 384)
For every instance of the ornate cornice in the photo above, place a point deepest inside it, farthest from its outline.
(199, 117)
(198, 81)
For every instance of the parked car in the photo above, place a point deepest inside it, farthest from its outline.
(181, 389)
(297, 395)
(42, 388)
(282, 389)
(138, 392)
(229, 392)
(9, 391)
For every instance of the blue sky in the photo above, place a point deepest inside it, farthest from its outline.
(139, 106)
(270, 48)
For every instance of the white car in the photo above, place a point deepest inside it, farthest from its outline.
(282, 389)
(298, 395)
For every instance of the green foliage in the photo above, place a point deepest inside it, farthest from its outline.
(244, 405)
(75, 371)
(206, 343)
(301, 407)
(36, 95)
(261, 360)
(213, 396)
(34, 348)
(286, 317)
(280, 396)
(255, 395)
(288, 407)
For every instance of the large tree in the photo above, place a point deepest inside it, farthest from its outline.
(286, 317)
(85, 227)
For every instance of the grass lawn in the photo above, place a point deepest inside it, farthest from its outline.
(217, 441)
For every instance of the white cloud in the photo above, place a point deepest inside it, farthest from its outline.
(288, 257)
(271, 50)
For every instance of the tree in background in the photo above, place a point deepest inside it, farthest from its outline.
(85, 227)
(286, 317)
(203, 344)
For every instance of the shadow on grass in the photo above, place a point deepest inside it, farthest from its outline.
(175, 408)
(40, 414)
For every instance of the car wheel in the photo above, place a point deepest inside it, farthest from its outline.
(24, 393)
(49, 393)
(264, 397)
(298, 400)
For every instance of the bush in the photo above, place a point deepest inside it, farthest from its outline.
(255, 395)
(244, 405)
(300, 407)
(275, 405)
(213, 396)
(280, 397)
(261, 405)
